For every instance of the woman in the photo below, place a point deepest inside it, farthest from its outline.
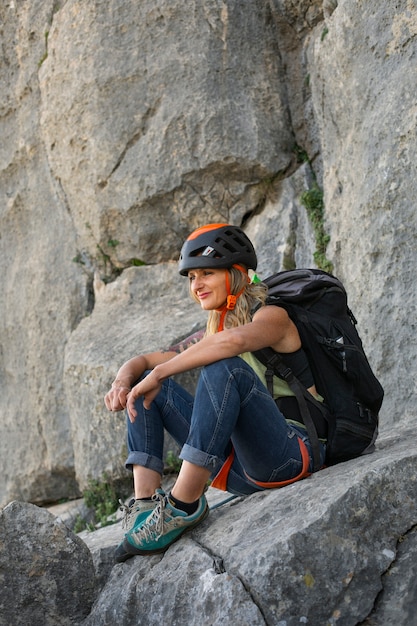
(232, 430)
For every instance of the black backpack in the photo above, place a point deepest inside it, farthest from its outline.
(317, 304)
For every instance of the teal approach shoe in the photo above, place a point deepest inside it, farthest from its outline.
(134, 514)
(162, 527)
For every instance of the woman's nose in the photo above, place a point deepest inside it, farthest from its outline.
(197, 283)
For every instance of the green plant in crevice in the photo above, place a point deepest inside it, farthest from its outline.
(101, 497)
(45, 55)
(288, 257)
(172, 463)
(312, 200)
(111, 271)
(102, 261)
(301, 154)
(78, 259)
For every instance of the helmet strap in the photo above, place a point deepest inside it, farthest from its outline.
(231, 298)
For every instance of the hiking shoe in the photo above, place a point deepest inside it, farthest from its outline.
(135, 512)
(162, 527)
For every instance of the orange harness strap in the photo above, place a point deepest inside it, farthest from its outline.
(282, 483)
(220, 480)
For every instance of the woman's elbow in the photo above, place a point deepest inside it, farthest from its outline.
(234, 343)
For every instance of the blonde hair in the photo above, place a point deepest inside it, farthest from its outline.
(254, 294)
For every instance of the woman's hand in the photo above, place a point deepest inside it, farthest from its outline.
(130, 372)
(116, 398)
(148, 388)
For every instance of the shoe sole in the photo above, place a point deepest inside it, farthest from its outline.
(132, 551)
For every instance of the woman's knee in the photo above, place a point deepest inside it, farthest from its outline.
(229, 365)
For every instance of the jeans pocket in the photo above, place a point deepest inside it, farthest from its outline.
(290, 469)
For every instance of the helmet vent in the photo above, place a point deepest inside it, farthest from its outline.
(217, 245)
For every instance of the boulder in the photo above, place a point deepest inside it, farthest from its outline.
(396, 604)
(317, 552)
(47, 574)
(336, 548)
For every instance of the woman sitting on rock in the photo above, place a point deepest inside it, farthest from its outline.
(232, 430)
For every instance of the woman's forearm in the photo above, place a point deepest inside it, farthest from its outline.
(133, 369)
(130, 371)
(208, 350)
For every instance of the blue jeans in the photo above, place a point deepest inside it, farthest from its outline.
(231, 407)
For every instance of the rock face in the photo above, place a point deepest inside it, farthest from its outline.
(125, 125)
(95, 347)
(366, 135)
(181, 120)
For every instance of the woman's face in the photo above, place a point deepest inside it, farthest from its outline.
(209, 287)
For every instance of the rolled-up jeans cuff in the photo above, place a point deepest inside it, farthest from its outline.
(200, 458)
(145, 460)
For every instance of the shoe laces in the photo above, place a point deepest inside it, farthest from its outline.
(127, 510)
(155, 524)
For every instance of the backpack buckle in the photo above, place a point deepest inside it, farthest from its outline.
(365, 413)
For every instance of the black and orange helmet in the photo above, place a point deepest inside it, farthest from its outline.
(217, 246)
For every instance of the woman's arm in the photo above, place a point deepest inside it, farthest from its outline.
(133, 369)
(271, 326)
(129, 373)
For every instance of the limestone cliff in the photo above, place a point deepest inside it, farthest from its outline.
(124, 125)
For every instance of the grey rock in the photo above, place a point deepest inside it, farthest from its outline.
(47, 574)
(140, 123)
(282, 234)
(188, 591)
(314, 552)
(396, 603)
(363, 103)
(43, 294)
(197, 116)
(335, 548)
(102, 544)
(71, 512)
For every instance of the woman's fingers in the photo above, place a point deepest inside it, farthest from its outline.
(115, 399)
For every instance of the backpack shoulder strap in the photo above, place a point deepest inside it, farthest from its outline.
(275, 366)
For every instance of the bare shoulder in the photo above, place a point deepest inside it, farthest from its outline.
(271, 312)
(279, 327)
